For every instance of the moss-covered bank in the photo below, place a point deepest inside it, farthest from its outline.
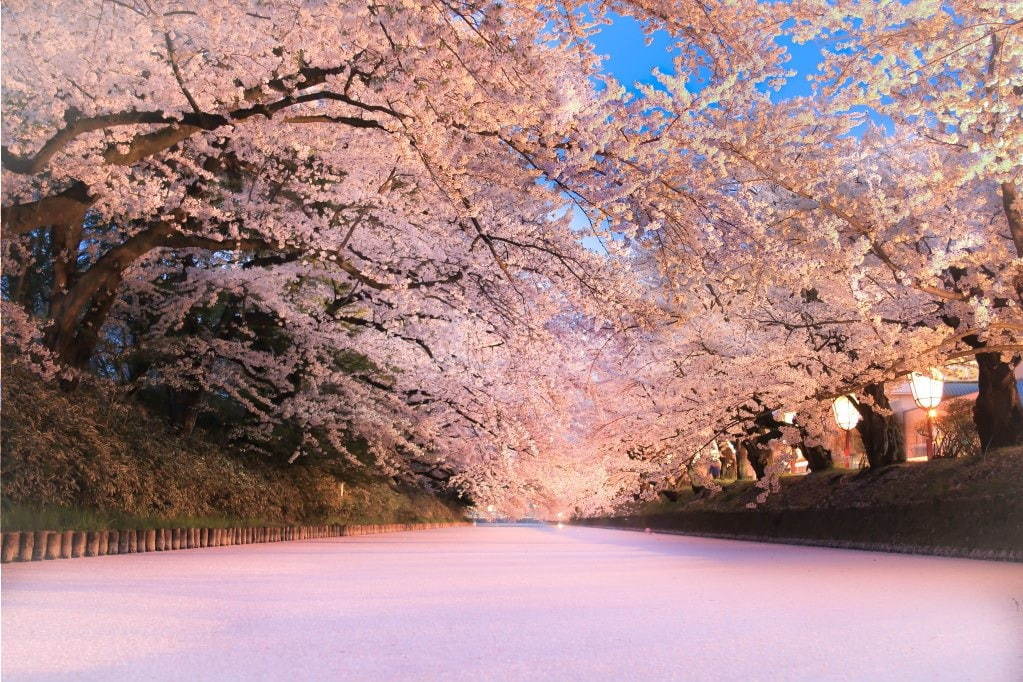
(967, 507)
(94, 459)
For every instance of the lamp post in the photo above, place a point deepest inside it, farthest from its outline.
(927, 392)
(790, 418)
(847, 417)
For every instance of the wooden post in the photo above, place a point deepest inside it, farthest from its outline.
(11, 547)
(133, 541)
(66, 538)
(26, 546)
(39, 548)
(92, 543)
(53, 543)
(151, 540)
(77, 544)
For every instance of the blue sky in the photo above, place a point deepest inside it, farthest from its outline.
(630, 60)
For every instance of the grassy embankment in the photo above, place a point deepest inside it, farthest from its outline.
(93, 460)
(964, 507)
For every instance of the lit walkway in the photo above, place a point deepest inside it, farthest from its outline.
(513, 603)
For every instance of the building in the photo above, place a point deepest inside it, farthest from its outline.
(914, 419)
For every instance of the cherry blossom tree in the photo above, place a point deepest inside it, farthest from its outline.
(359, 226)
(348, 219)
(812, 255)
(951, 75)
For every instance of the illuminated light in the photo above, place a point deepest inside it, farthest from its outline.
(560, 524)
(847, 417)
(846, 414)
(927, 388)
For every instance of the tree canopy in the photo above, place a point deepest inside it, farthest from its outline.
(437, 239)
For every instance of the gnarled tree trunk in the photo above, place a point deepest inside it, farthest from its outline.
(741, 462)
(759, 457)
(997, 413)
(881, 433)
(818, 457)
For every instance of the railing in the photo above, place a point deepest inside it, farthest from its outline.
(69, 544)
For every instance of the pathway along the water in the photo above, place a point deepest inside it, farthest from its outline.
(513, 603)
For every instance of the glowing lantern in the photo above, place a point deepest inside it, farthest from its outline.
(927, 393)
(847, 417)
(846, 414)
(927, 388)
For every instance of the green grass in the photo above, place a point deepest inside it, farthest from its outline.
(24, 517)
(992, 476)
(45, 517)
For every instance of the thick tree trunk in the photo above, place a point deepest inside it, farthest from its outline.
(881, 433)
(741, 462)
(759, 457)
(728, 463)
(997, 413)
(1013, 215)
(185, 409)
(82, 311)
(818, 457)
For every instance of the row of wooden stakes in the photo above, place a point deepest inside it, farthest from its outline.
(48, 544)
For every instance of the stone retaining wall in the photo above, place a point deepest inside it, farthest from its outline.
(982, 528)
(48, 544)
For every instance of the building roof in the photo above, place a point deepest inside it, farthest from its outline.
(952, 389)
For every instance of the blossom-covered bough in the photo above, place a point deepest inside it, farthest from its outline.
(326, 213)
(358, 227)
(809, 249)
